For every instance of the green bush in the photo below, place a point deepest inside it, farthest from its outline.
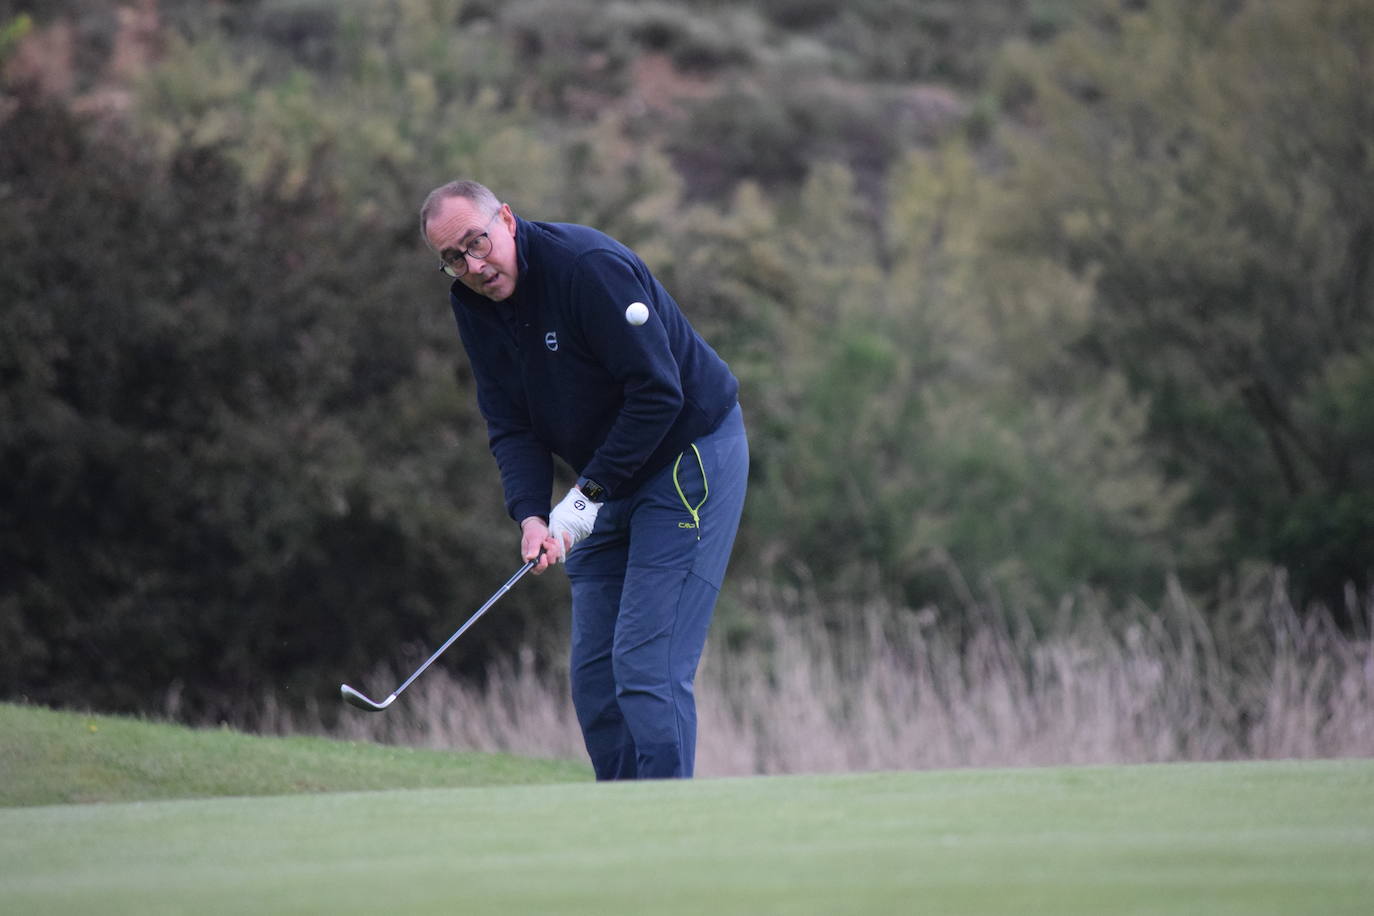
(1117, 329)
(1203, 177)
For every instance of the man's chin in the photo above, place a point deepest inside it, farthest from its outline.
(498, 290)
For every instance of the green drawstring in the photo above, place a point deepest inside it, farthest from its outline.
(692, 510)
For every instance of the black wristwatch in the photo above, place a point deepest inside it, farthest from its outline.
(592, 490)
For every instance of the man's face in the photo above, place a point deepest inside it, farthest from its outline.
(456, 225)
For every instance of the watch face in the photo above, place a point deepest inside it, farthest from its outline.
(592, 490)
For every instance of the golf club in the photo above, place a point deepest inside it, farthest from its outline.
(354, 698)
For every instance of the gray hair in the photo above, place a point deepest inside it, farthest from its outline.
(479, 194)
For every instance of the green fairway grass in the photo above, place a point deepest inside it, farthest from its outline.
(1245, 838)
(49, 757)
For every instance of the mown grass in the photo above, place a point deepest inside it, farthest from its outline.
(49, 757)
(1231, 838)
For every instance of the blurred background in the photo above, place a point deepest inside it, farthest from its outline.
(1054, 321)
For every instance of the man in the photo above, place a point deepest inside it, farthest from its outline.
(646, 415)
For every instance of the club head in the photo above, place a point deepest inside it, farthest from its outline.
(354, 698)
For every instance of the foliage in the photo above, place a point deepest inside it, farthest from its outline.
(1094, 308)
(773, 132)
(13, 32)
(897, 441)
(948, 41)
(218, 454)
(1217, 191)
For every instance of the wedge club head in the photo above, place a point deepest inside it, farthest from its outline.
(354, 698)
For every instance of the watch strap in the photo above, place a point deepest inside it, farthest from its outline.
(592, 490)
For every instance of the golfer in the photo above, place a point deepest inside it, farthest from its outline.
(646, 414)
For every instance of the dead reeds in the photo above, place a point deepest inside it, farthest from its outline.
(891, 688)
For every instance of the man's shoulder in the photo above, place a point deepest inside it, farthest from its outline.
(571, 241)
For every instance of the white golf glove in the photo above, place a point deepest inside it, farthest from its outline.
(574, 516)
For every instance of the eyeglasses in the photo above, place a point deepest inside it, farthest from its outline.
(456, 265)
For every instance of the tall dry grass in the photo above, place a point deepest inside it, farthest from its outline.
(895, 689)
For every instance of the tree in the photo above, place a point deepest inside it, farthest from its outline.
(1207, 168)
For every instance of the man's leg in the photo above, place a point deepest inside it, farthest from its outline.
(682, 526)
(659, 642)
(596, 570)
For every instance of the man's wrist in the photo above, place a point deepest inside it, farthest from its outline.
(592, 490)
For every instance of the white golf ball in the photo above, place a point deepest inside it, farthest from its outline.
(637, 313)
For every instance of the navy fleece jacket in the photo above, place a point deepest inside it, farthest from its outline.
(560, 371)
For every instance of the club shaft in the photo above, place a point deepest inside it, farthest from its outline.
(469, 622)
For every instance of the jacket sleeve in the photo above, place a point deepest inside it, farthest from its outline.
(525, 463)
(639, 358)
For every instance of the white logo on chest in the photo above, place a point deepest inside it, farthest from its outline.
(551, 341)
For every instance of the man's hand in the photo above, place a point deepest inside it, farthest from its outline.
(571, 521)
(537, 543)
